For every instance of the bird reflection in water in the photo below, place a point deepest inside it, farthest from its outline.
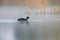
(22, 30)
(24, 22)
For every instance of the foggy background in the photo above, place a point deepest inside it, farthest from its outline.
(13, 9)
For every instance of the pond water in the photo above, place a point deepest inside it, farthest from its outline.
(30, 31)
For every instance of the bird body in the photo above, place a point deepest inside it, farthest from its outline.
(23, 19)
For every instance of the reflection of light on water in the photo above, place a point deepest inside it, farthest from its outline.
(31, 20)
(7, 21)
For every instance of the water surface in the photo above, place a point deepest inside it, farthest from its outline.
(30, 31)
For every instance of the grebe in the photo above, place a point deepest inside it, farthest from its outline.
(23, 19)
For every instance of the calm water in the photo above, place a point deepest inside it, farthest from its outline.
(30, 31)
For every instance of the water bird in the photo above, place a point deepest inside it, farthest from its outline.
(23, 19)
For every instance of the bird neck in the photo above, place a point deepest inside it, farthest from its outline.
(26, 18)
